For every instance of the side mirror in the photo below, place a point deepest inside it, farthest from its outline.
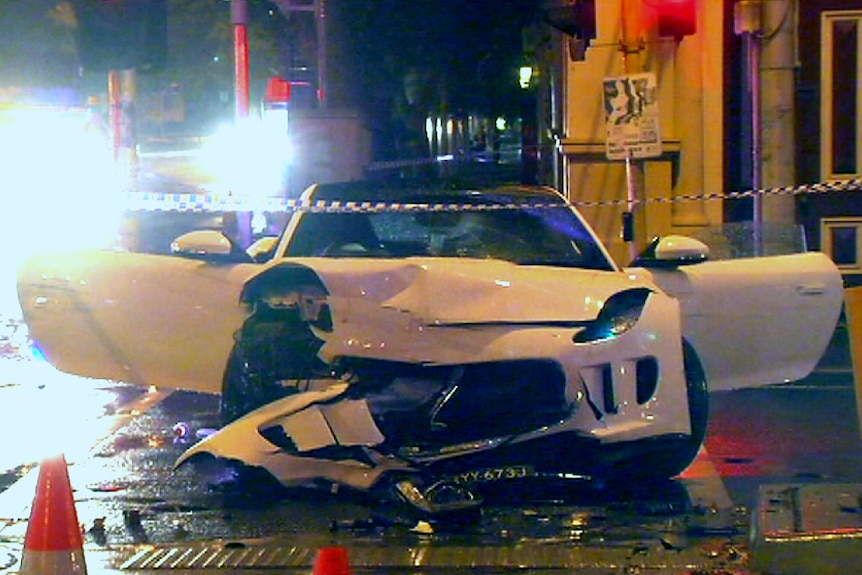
(262, 249)
(208, 245)
(672, 251)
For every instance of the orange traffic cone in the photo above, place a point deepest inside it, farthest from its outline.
(53, 544)
(332, 561)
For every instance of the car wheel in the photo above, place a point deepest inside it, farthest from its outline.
(660, 459)
(698, 410)
(269, 360)
(242, 387)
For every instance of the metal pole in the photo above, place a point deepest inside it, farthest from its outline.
(752, 48)
(631, 46)
(239, 19)
(129, 121)
(747, 23)
(321, 53)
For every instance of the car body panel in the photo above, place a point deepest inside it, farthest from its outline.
(756, 321)
(243, 441)
(145, 319)
(108, 315)
(406, 310)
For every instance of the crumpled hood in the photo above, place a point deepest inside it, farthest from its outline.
(466, 291)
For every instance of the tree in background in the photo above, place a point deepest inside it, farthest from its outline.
(395, 62)
(401, 62)
(38, 47)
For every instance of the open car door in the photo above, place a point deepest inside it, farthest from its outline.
(755, 321)
(137, 318)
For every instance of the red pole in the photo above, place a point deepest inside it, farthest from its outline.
(239, 18)
(114, 111)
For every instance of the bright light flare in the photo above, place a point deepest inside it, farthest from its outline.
(249, 159)
(525, 76)
(61, 187)
(61, 190)
(53, 412)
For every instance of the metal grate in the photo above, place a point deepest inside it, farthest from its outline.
(218, 556)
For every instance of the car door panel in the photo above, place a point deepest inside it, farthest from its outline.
(139, 318)
(756, 321)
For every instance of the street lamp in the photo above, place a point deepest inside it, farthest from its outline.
(525, 76)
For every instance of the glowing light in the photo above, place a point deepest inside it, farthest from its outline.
(75, 405)
(579, 520)
(249, 159)
(258, 222)
(63, 189)
(429, 129)
(525, 76)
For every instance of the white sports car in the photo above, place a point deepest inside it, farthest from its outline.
(435, 341)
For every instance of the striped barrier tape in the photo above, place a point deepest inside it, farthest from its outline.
(206, 202)
(210, 203)
(853, 185)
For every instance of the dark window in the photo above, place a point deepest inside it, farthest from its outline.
(525, 235)
(844, 96)
(844, 242)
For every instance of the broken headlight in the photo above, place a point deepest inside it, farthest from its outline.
(619, 314)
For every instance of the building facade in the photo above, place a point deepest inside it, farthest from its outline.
(829, 125)
(753, 95)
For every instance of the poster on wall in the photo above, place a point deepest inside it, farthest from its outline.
(632, 117)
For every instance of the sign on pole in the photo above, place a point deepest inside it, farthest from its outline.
(631, 117)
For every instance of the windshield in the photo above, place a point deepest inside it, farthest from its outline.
(527, 235)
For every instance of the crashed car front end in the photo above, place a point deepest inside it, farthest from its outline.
(516, 368)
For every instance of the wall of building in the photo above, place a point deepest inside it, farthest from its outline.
(689, 75)
(833, 220)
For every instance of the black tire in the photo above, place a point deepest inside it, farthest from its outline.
(698, 411)
(663, 458)
(243, 388)
(272, 355)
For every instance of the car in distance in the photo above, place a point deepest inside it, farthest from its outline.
(437, 341)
